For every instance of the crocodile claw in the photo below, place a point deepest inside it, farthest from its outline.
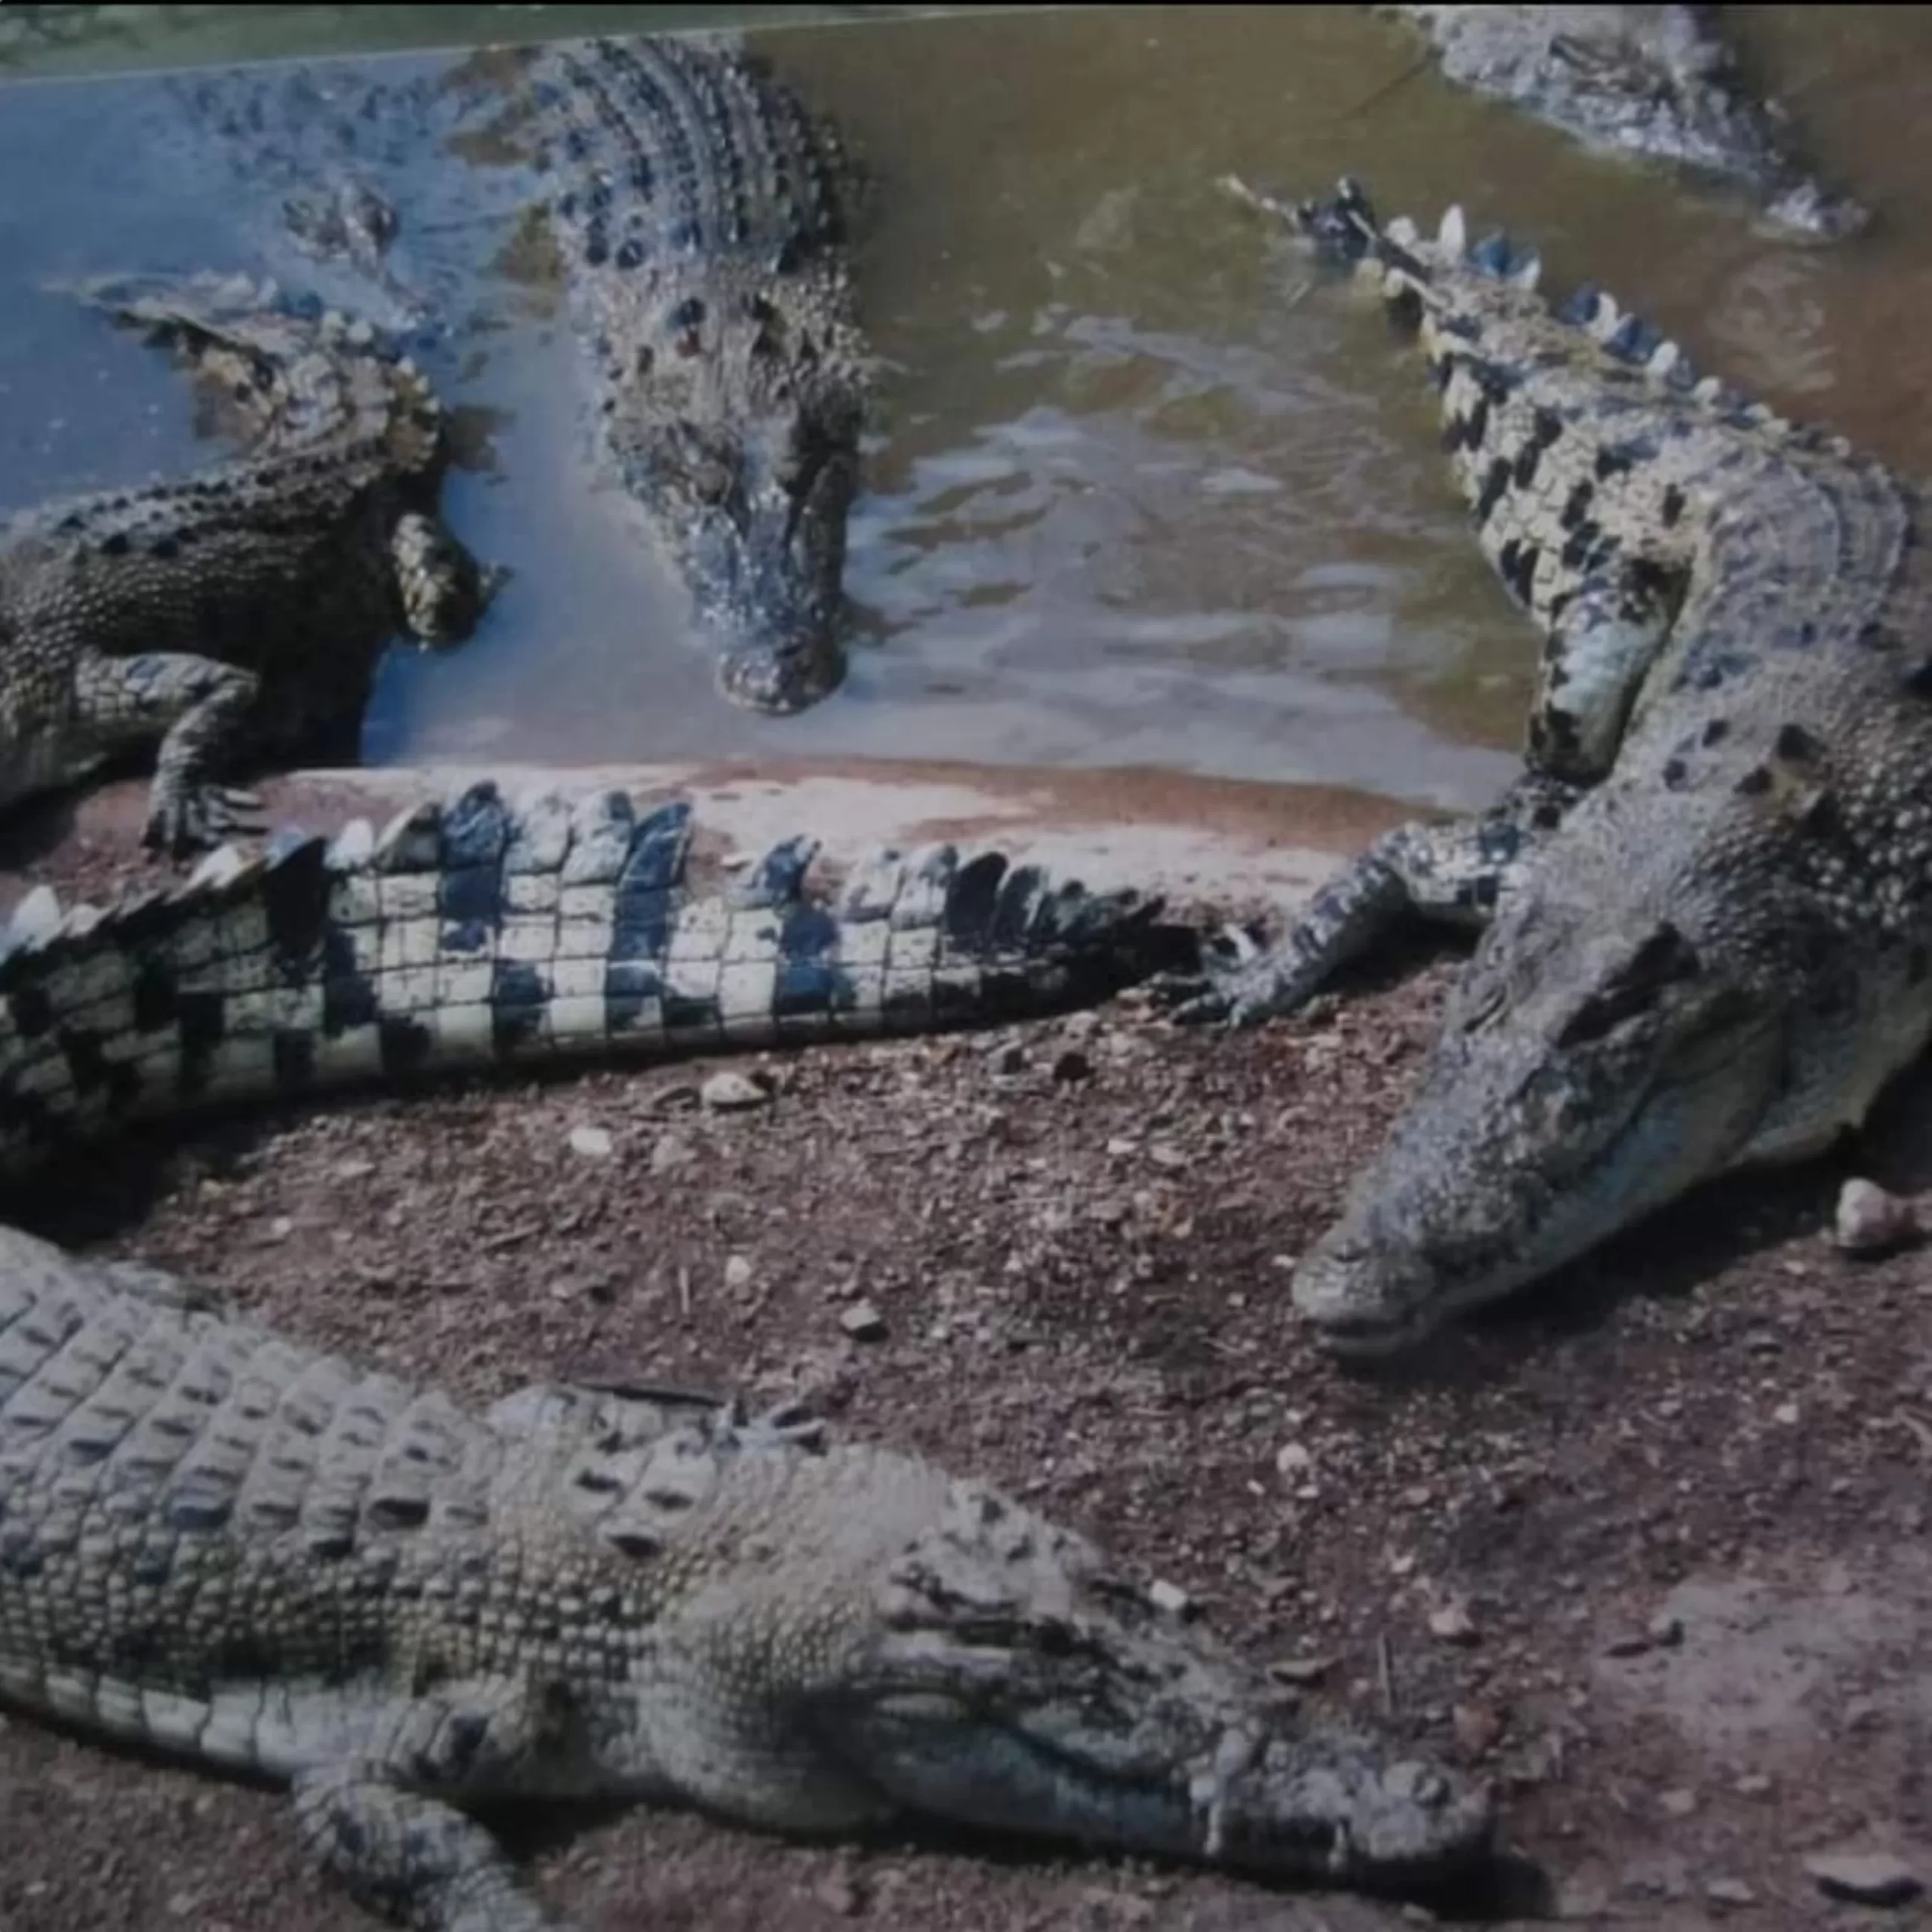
(1223, 991)
(202, 817)
(789, 1424)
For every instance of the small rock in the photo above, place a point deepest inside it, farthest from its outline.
(669, 1155)
(863, 1322)
(1071, 1064)
(1631, 1643)
(1478, 1728)
(1302, 1670)
(1869, 1221)
(1865, 1877)
(1453, 1624)
(1292, 1458)
(738, 1271)
(1581, 1900)
(281, 1228)
(593, 1142)
(1730, 1891)
(354, 1170)
(1787, 1414)
(1753, 1784)
(1171, 1598)
(1666, 1631)
(1008, 1056)
(731, 1092)
(1678, 1803)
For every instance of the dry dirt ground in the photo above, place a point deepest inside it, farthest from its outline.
(1652, 1549)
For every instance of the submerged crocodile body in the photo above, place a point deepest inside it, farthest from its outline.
(216, 1542)
(702, 213)
(1655, 81)
(1708, 903)
(242, 610)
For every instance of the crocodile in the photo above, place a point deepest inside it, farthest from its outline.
(218, 1543)
(702, 214)
(1705, 910)
(1656, 82)
(240, 609)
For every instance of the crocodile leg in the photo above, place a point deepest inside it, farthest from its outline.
(1453, 875)
(389, 1826)
(196, 706)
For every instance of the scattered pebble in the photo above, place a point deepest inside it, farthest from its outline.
(1292, 1458)
(593, 1142)
(1678, 1803)
(1865, 1877)
(863, 1322)
(1478, 1728)
(1171, 1598)
(1301, 1671)
(670, 1154)
(1730, 1891)
(738, 1271)
(1453, 1624)
(730, 1091)
(1869, 1221)
(1666, 1631)
(1071, 1065)
(1007, 1057)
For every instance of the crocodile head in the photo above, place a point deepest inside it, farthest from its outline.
(736, 419)
(1587, 1072)
(1004, 1677)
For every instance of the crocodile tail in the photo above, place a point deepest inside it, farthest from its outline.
(294, 371)
(470, 935)
(1481, 297)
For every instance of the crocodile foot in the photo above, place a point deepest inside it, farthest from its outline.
(1225, 989)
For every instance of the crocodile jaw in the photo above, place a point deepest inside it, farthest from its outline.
(1008, 1680)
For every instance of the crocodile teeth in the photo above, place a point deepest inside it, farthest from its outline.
(1709, 390)
(1492, 253)
(1403, 232)
(36, 918)
(1664, 358)
(1528, 270)
(1607, 319)
(1453, 237)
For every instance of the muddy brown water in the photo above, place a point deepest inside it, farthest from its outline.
(1138, 495)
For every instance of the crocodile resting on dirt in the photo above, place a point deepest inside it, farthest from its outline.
(242, 610)
(219, 1543)
(701, 214)
(1656, 82)
(1707, 902)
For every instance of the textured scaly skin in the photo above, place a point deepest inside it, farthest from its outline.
(701, 214)
(1654, 81)
(1708, 906)
(239, 612)
(215, 1541)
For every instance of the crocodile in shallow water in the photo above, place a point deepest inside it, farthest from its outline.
(219, 1543)
(240, 611)
(1654, 81)
(1708, 903)
(702, 214)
